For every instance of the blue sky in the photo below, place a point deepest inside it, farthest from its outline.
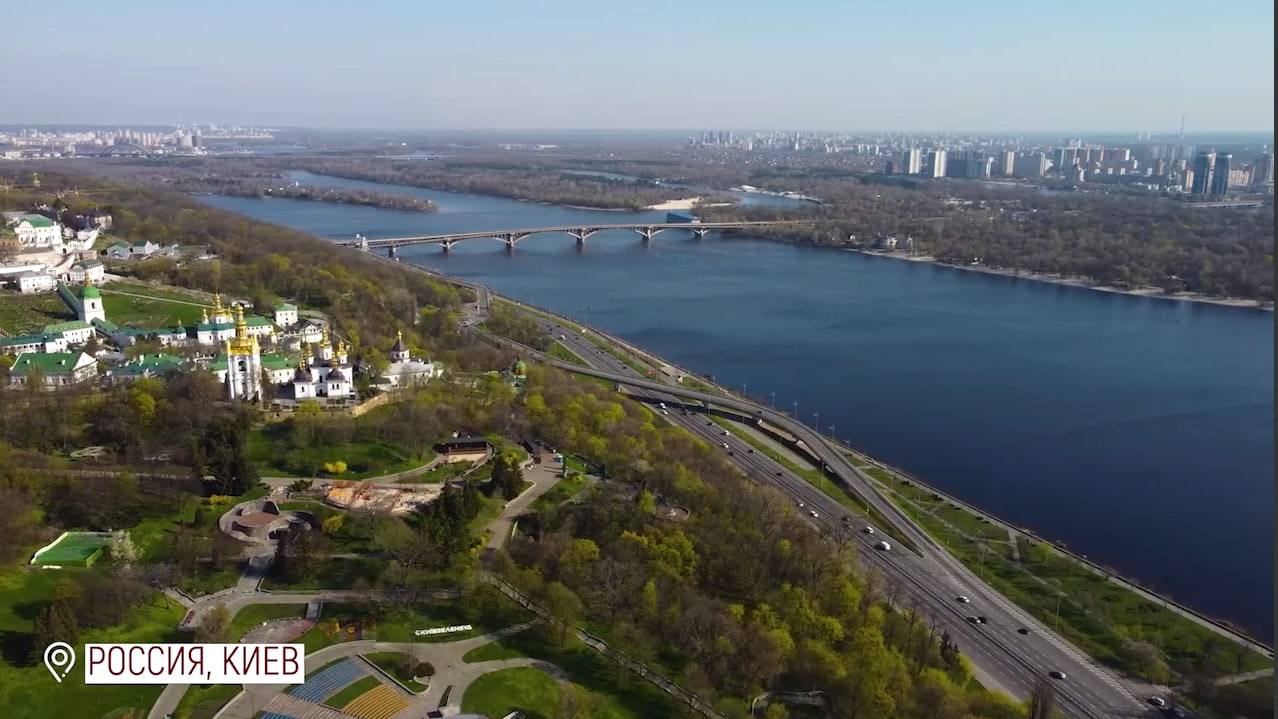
(980, 64)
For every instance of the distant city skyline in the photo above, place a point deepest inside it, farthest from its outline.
(990, 66)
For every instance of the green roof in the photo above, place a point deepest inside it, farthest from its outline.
(284, 307)
(90, 291)
(37, 220)
(105, 325)
(16, 340)
(158, 363)
(60, 327)
(47, 362)
(118, 245)
(257, 321)
(210, 326)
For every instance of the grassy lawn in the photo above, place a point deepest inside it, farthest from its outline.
(617, 694)
(524, 689)
(156, 309)
(560, 352)
(257, 614)
(491, 652)
(24, 313)
(563, 491)
(352, 692)
(202, 702)
(1100, 617)
(27, 690)
(271, 450)
(398, 665)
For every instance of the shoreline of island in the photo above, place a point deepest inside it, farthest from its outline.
(1079, 282)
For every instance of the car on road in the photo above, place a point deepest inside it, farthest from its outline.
(563, 337)
(814, 514)
(1159, 702)
(665, 412)
(661, 405)
(883, 547)
(725, 445)
(726, 433)
(779, 473)
(1022, 630)
(868, 530)
(802, 505)
(981, 620)
(1056, 674)
(750, 450)
(971, 620)
(962, 600)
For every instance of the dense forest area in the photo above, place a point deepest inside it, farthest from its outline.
(741, 597)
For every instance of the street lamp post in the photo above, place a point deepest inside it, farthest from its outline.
(796, 411)
(773, 403)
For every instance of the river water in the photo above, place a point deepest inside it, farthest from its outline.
(1139, 431)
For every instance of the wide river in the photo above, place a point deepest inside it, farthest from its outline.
(1138, 431)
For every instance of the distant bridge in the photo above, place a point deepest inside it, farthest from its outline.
(645, 230)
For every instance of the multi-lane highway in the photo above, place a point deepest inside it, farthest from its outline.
(1009, 649)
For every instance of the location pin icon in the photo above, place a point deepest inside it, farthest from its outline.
(59, 657)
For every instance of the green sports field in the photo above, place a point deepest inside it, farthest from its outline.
(73, 549)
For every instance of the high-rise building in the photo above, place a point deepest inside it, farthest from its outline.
(1240, 178)
(1031, 164)
(1007, 163)
(1220, 175)
(936, 163)
(1262, 175)
(912, 161)
(1204, 165)
(969, 166)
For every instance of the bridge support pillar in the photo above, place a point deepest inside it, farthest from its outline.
(391, 252)
(580, 236)
(646, 233)
(700, 233)
(447, 245)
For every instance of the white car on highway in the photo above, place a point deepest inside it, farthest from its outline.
(868, 530)
(883, 547)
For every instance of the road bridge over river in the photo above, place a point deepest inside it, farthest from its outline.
(581, 233)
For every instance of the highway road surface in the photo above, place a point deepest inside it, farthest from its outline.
(1009, 649)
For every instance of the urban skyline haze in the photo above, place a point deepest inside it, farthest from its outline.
(989, 65)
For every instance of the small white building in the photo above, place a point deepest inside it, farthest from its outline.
(310, 332)
(17, 344)
(285, 315)
(403, 370)
(35, 231)
(30, 282)
(88, 271)
(75, 332)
